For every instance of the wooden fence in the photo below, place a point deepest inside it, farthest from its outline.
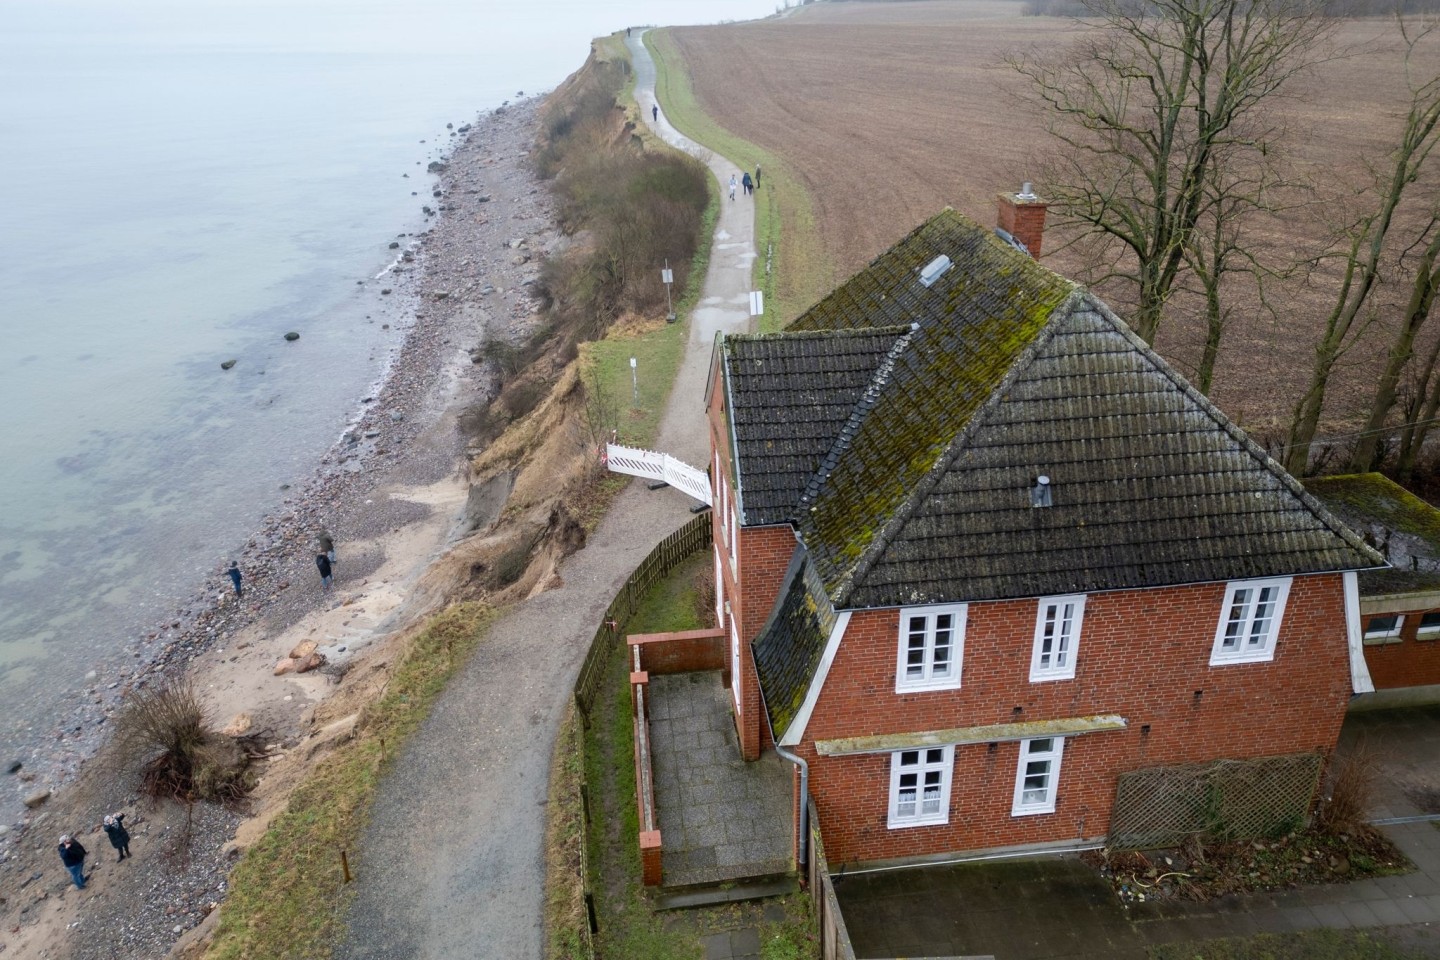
(834, 939)
(674, 549)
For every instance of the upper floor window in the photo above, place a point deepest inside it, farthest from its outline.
(1057, 638)
(932, 640)
(1038, 776)
(1384, 628)
(1429, 626)
(1250, 621)
(920, 786)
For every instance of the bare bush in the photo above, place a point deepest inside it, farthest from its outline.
(164, 740)
(703, 584)
(1351, 781)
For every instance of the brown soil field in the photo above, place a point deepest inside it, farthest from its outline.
(890, 111)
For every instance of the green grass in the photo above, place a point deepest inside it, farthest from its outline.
(1308, 945)
(800, 272)
(629, 928)
(287, 895)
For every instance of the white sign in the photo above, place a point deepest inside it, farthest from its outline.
(667, 275)
(757, 302)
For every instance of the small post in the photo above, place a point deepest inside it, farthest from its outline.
(635, 381)
(382, 749)
(345, 865)
(667, 277)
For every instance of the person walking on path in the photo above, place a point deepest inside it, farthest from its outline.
(119, 836)
(73, 856)
(732, 186)
(757, 174)
(747, 183)
(235, 578)
(322, 562)
(655, 112)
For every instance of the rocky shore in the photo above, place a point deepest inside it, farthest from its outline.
(468, 276)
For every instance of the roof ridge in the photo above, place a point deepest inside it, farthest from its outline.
(858, 413)
(820, 333)
(882, 539)
(1308, 499)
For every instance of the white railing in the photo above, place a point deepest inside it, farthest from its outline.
(660, 467)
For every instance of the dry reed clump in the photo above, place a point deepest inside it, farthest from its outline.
(165, 741)
(703, 592)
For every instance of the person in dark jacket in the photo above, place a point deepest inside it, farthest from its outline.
(235, 577)
(73, 856)
(119, 836)
(322, 563)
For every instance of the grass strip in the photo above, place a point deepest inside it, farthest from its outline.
(1303, 945)
(287, 895)
(800, 271)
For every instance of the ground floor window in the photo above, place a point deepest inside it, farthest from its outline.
(1038, 776)
(1383, 628)
(920, 786)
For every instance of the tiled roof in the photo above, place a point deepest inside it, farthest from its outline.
(1150, 485)
(788, 648)
(795, 392)
(1403, 527)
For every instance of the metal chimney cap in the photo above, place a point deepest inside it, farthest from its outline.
(1027, 192)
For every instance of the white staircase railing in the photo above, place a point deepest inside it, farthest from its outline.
(660, 467)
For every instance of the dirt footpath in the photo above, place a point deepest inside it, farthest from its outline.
(453, 864)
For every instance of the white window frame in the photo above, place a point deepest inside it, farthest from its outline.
(924, 764)
(1050, 758)
(1422, 631)
(929, 679)
(725, 532)
(1246, 648)
(1067, 642)
(719, 587)
(1387, 635)
(735, 542)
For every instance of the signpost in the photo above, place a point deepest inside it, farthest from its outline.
(635, 382)
(667, 277)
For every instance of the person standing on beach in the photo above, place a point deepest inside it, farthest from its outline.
(327, 546)
(732, 186)
(119, 836)
(73, 856)
(655, 112)
(322, 562)
(235, 577)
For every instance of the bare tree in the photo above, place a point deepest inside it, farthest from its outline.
(1145, 110)
(1364, 249)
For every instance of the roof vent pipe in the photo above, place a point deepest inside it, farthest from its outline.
(1027, 192)
(1040, 493)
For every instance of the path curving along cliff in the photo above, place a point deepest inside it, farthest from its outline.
(452, 864)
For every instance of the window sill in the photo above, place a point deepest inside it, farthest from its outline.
(1031, 811)
(1381, 641)
(1051, 677)
(928, 822)
(1225, 661)
(927, 686)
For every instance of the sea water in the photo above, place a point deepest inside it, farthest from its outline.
(182, 183)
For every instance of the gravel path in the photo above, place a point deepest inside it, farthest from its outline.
(453, 864)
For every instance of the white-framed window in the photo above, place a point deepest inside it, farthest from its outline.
(735, 543)
(1384, 628)
(1250, 621)
(932, 644)
(719, 588)
(1038, 776)
(725, 516)
(1429, 627)
(1057, 638)
(920, 786)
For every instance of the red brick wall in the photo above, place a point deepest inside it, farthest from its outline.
(1142, 654)
(680, 652)
(1410, 663)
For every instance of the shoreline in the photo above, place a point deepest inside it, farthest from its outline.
(392, 490)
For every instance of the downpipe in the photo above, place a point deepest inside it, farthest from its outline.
(804, 801)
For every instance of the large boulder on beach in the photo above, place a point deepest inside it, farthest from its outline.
(238, 726)
(226, 364)
(436, 166)
(311, 662)
(34, 800)
(284, 666)
(303, 649)
(292, 336)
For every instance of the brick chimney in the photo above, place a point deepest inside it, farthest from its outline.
(1022, 215)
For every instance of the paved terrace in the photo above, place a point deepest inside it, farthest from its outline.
(721, 818)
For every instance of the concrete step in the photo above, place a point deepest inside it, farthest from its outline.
(706, 895)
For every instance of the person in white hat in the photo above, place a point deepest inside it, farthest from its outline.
(119, 836)
(73, 856)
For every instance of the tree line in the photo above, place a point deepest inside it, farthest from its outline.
(1171, 160)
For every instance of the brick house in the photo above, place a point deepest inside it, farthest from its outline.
(1399, 605)
(979, 550)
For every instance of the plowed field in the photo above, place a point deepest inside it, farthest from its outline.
(889, 111)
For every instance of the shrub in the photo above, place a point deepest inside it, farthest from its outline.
(164, 738)
(1351, 780)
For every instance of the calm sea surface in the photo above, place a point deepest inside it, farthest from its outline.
(181, 183)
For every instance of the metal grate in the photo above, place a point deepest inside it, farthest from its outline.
(1223, 800)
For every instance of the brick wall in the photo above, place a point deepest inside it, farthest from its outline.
(1142, 654)
(1022, 219)
(681, 652)
(1410, 662)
